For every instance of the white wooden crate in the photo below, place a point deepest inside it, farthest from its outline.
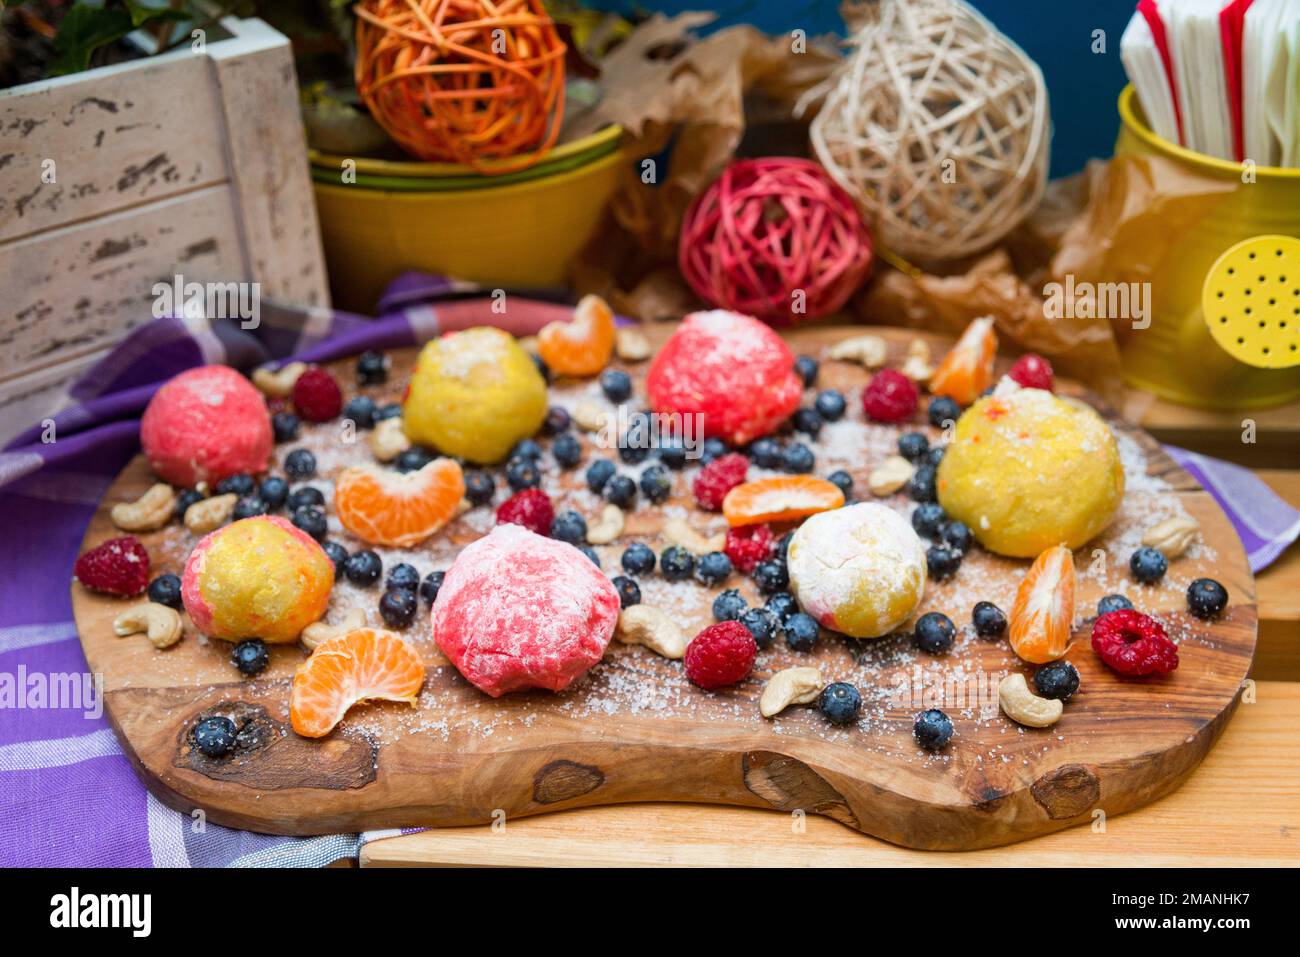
(185, 163)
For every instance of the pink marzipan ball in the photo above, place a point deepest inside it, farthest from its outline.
(204, 425)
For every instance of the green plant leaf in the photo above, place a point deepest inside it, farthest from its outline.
(83, 31)
(142, 13)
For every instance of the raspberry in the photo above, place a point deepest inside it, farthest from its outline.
(748, 545)
(316, 395)
(1032, 371)
(530, 508)
(720, 655)
(1133, 643)
(718, 478)
(890, 396)
(118, 567)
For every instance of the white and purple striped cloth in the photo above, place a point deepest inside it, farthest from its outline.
(68, 795)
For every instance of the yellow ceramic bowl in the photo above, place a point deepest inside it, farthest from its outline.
(1177, 357)
(524, 234)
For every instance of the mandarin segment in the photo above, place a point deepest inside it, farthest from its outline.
(967, 369)
(1043, 614)
(383, 507)
(582, 346)
(363, 665)
(785, 498)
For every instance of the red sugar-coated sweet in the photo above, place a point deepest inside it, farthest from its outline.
(718, 478)
(890, 396)
(1133, 643)
(204, 425)
(732, 369)
(720, 655)
(120, 567)
(1032, 371)
(747, 545)
(517, 611)
(530, 508)
(316, 395)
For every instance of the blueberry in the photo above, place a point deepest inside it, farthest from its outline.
(1206, 598)
(676, 563)
(567, 451)
(771, 576)
(783, 546)
(599, 473)
(274, 491)
(806, 367)
(782, 604)
(957, 536)
(638, 559)
(184, 501)
(761, 623)
(840, 703)
(808, 421)
(797, 458)
(656, 483)
(1148, 565)
(250, 657)
(305, 496)
(311, 520)
(621, 491)
(942, 562)
(372, 368)
(242, 484)
(215, 737)
(360, 410)
(989, 620)
(430, 586)
(766, 453)
(569, 527)
(412, 460)
(632, 452)
(920, 487)
(523, 473)
(398, 607)
(285, 426)
(616, 384)
(479, 487)
(935, 455)
(932, 729)
(830, 405)
(300, 464)
(390, 410)
(1113, 603)
(712, 449)
(557, 421)
(934, 632)
(634, 444)
(843, 481)
(403, 575)
(1057, 679)
(166, 590)
(629, 592)
(526, 449)
(590, 553)
(913, 446)
(801, 631)
(250, 505)
(672, 453)
(542, 367)
(943, 410)
(337, 554)
(363, 568)
(712, 569)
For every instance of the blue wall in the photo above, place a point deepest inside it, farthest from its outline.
(1082, 85)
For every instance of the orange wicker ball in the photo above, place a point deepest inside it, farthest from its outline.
(463, 81)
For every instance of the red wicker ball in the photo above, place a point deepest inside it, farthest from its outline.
(768, 230)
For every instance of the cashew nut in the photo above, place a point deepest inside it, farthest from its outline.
(1023, 706)
(161, 623)
(1172, 536)
(790, 686)
(278, 383)
(211, 513)
(869, 351)
(651, 627)
(679, 532)
(528, 344)
(890, 475)
(631, 345)
(388, 440)
(589, 415)
(314, 634)
(151, 510)
(606, 528)
(917, 364)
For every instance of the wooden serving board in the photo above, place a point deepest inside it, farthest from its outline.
(634, 729)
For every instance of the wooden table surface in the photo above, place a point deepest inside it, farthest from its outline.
(1241, 807)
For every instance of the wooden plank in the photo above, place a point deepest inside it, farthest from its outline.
(77, 289)
(28, 399)
(1277, 655)
(266, 152)
(119, 136)
(1222, 434)
(1240, 808)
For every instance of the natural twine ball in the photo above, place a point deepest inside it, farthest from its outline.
(938, 125)
(774, 238)
(462, 81)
